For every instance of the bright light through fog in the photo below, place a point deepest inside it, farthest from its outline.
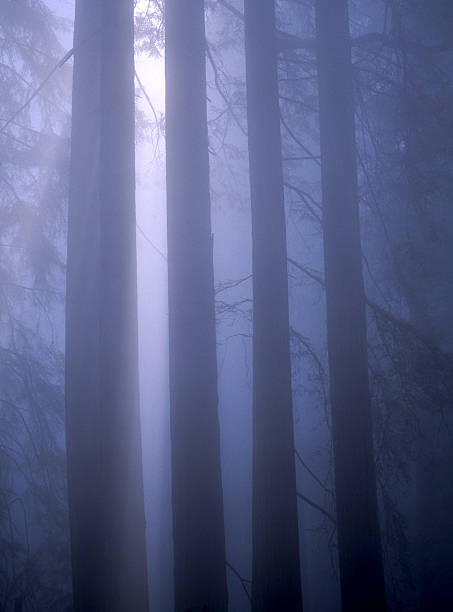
(152, 314)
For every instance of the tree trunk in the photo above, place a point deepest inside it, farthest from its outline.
(276, 581)
(198, 531)
(102, 403)
(361, 572)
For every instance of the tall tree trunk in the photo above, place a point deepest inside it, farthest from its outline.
(276, 581)
(361, 572)
(198, 531)
(102, 404)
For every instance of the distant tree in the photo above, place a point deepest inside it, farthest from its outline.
(34, 551)
(361, 570)
(198, 531)
(102, 408)
(276, 581)
(411, 123)
(423, 259)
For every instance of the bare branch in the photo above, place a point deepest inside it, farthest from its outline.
(313, 504)
(244, 582)
(312, 474)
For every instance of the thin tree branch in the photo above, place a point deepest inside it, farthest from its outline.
(312, 474)
(315, 158)
(148, 99)
(244, 582)
(61, 63)
(219, 87)
(150, 242)
(317, 507)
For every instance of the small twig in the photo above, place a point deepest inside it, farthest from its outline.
(148, 99)
(231, 284)
(220, 89)
(150, 242)
(244, 582)
(312, 474)
(315, 158)
(306, 271)
(317, 506)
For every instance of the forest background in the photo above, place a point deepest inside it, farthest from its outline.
(402, 77)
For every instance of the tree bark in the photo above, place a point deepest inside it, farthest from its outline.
(276, 583)
(102, 402)
(198, 530)
(361, 572)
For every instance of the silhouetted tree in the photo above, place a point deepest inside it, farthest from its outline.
(102, 408)
(361, 571)
(276, 569)
(421, 249)
(198, 531)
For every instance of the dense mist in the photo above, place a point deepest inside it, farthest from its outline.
(226, 348)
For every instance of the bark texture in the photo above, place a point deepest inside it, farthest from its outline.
(198, 531)
(276, 583)
(102, 402)
(361, 572)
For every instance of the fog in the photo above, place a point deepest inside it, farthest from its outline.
(226, 365)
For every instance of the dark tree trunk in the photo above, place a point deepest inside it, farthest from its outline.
(198, 531)
(435, 514)
(361, 572)
(276, 581)
(102, 404)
